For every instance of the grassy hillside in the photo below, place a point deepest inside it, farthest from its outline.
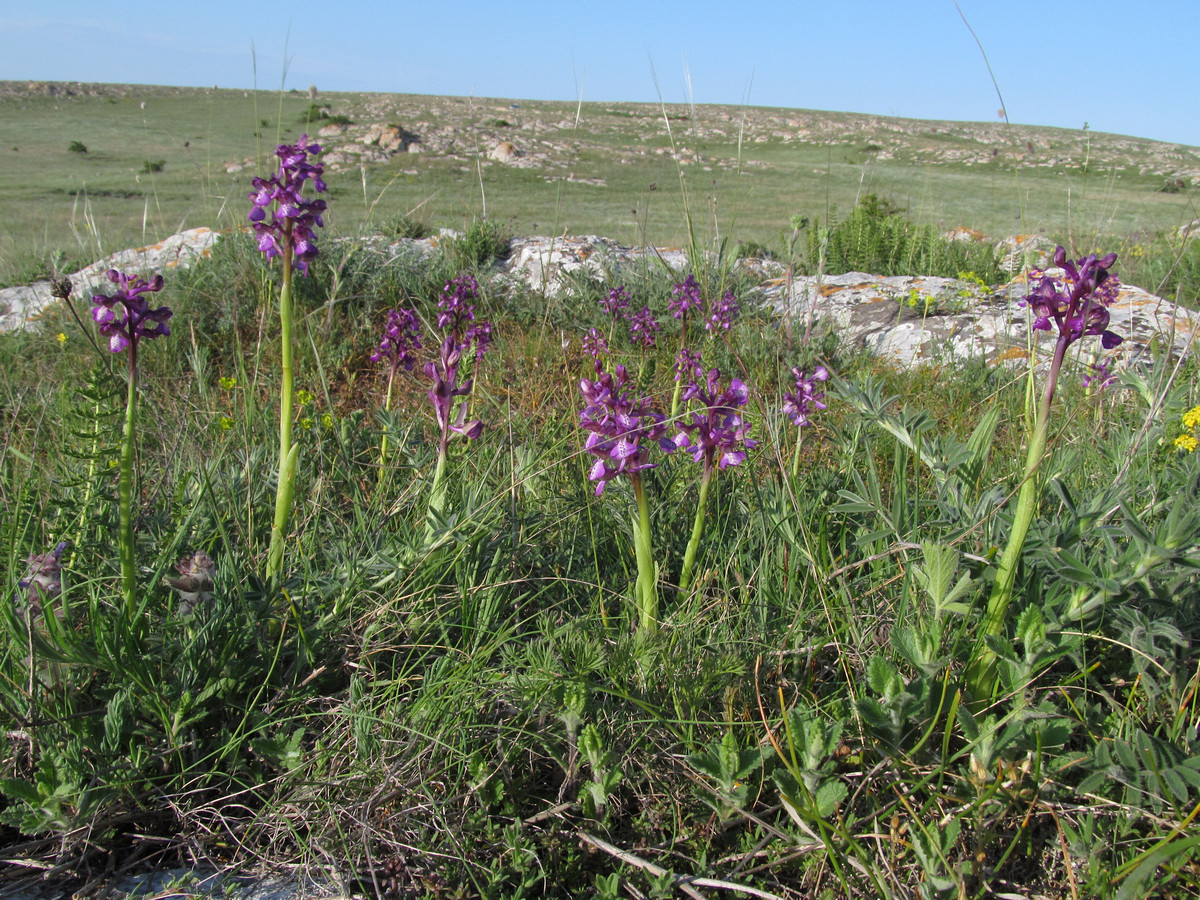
(160, 159)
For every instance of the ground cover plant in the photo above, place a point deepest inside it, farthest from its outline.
(621, 591)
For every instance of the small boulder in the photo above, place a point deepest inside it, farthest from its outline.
(504, 152)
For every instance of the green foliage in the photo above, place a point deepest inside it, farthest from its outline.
(731, 770)
(445, 709)
(77, 147)
(481, 244)
(405, 227)
(153, 166)
(876, 238)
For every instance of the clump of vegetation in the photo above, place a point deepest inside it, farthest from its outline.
(318, 113)
(876, 238)
(484, 242)
(405, 227)
(77, 147)
(152, 166)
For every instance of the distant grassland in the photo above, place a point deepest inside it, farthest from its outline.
(157, 158)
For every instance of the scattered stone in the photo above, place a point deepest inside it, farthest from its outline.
(505, 151)
(909, 320)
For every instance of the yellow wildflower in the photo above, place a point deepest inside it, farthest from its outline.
(1187, 443)
(61, 338)
(303, 397)
(227, 384)
(1191, 418)
(327, 420)
(226, 422)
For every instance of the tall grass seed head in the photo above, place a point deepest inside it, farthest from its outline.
(280, 215)
(134, 319)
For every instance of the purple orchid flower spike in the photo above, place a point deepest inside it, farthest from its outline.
(595, 344)
(687, 364)
(133, 320)
(444, 374)
(280, 216)
(621, 430)
(42, 583)
(799, 404)
(1076, 303)
(456, 311)
(401, 336)
(717, 436)
(643, 327)
(718, 431)
(725, 311)
(684, 297)
(616, 301)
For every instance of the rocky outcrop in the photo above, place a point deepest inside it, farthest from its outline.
(21, 306)
(908, 320)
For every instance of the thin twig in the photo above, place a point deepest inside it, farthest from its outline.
(683, 882)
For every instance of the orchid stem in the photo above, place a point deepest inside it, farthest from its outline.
(387, 407)
(981, 671)
(287, 458)
(125, 493)
(646, 591)
(693, 547)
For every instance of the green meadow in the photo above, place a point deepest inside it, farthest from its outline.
(390, 575)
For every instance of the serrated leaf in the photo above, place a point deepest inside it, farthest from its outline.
(1031, 628)
(882, 676)
(828, 796)
(940, 563)
(873, 713)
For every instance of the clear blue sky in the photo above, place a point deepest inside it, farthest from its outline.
(1123, 67)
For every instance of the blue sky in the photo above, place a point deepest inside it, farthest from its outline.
(1122, 67)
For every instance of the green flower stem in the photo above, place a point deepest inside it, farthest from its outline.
(675, 398)
(287, 455)
(387, 407)
(437, 495)
(796, 455)
(646, 591)
(125, 494)
(678, 375)
(981, 671)
(693, 547)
